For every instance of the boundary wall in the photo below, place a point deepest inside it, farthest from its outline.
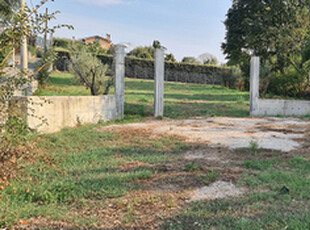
(272, 107)
(52, 114)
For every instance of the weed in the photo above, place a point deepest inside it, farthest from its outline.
(192, 167)
(160, 117)
(253, 146)
(211, 177)
(170, 203)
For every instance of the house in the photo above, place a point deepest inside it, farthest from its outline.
(105, 43)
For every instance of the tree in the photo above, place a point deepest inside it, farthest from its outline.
(170, 57)
(89, 70)
(146, 52)
(275, 30)
(189, 60)
(13, 128)
(8, 9)
(207, 58)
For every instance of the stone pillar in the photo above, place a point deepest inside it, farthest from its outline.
(119, 61)
(159, 82)
(254, 85)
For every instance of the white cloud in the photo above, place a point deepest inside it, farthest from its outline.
(104, 2)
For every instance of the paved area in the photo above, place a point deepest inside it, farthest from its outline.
(283, 134)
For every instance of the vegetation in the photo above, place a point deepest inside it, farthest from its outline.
(45, 65)
(278, 32)
(170, 57)
(207, 58)
(267, 206)
(146, 52)
(191, 60)
(62, 42)
(181, 100)
(93, 176)
(89, 70)
(27, 21)
(8, 9)
(78, 166)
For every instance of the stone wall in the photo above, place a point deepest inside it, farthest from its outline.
(51, 114)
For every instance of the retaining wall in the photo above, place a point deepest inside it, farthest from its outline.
(51, 114)
(271, 107)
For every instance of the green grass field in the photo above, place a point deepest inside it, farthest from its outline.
(92, 178)
(181, 100)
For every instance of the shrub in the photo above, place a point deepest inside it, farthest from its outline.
(290, 84)
(32, 50)
(45, 66)
(62, 42)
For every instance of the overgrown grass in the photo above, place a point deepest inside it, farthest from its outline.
(62, 84)
(79, 164)
(265, 207)
(182, 100)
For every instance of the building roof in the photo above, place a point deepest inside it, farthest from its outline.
(97, 36)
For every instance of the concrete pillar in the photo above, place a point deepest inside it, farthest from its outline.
(119, 61)
(159, 82)
(254, 85)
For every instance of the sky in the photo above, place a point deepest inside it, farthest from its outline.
(184, 27)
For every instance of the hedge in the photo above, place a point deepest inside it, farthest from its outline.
(178, 72)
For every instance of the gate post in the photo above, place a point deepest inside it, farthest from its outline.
(159, 82)
(119, 60)
(254, 86)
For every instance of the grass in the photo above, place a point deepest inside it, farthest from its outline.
(73, 175)
(79, 168)
(62, 84)
(264, 207)
(182, 100)
(79, 164)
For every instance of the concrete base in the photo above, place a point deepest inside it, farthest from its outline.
(270, 107)
(51, 114)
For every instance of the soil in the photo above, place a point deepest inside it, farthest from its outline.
(217, 190)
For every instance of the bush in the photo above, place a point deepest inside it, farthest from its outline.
(62, 42)
(232, 78)
(290, 84)
(45, 66)
(32, 50)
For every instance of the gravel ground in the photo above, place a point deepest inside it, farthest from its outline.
(217, 190)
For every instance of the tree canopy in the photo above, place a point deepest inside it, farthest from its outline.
(7, 10)
(278, 32)
(170, 57)
(145, 52)
(275, 30)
